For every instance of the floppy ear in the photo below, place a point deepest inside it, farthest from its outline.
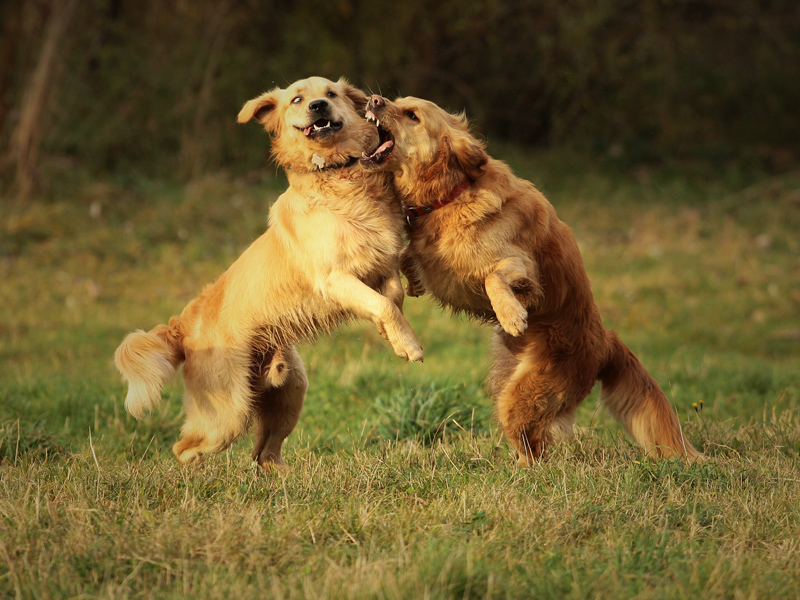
(466, 154)
(262, 109)
(353, 94)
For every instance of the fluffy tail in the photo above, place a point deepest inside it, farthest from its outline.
(148, 360)
(636, 401)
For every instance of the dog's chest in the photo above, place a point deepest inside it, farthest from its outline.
(454, 264)
(363, 238)
(369, 242)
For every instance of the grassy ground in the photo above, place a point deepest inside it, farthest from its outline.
(400, 485)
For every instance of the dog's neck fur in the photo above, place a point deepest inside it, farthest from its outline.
(317, 164)
(431, 184)
(366, 188)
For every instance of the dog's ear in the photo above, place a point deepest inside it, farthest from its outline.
(466, 154)
(262, 109)
(353, 94)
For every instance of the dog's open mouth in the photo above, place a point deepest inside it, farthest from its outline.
(321, 127)
(385, 143)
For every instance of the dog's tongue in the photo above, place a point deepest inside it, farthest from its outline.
(307, 131)
(379, 151)
(384, 146)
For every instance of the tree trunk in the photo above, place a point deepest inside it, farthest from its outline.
(26, 139)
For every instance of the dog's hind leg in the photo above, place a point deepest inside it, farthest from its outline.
(276, 410)
(536, 399)
(505, 351)
(217, 401)
(526, 408)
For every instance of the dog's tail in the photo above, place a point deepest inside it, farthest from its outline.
(636, 401)
(148, 360)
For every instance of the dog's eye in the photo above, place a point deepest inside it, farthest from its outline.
(412, 115)
(297, 99)
(331, 94)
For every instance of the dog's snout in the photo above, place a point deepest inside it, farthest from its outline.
(376, 101)
(318, 105)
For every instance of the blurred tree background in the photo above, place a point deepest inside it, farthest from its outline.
(152, 88)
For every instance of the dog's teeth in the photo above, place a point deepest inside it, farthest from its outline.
(377, 123)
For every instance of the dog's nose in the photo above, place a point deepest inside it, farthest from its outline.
(318, 105)
(376, 101)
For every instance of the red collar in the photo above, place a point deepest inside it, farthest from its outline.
(415, 212)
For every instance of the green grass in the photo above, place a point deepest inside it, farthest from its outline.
(400, 484)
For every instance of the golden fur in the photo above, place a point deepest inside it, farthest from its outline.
(499, 253)
(329, 254)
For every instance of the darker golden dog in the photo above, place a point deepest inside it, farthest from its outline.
(329, 254)
(487, 243)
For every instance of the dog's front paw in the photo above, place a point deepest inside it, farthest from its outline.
(513, 319)
(410, 350)
(415, 289)
(412, 354)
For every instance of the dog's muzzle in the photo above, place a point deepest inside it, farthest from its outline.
(321, 124)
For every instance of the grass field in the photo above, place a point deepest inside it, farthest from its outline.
(400, 485)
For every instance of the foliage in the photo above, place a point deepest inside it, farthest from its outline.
(154, 87)
(425, 413)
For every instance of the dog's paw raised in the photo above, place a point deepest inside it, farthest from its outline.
(513, 319)
(412, 352)
(415, 289)
(416, 355)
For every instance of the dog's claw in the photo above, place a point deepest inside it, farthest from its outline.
(411, 353)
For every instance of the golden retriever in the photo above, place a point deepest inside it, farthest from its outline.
(330, 253)
(487, 243)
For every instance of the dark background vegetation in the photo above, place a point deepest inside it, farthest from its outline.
(152, 88)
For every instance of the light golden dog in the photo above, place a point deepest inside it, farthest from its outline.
(329, 254)
(487, 243)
